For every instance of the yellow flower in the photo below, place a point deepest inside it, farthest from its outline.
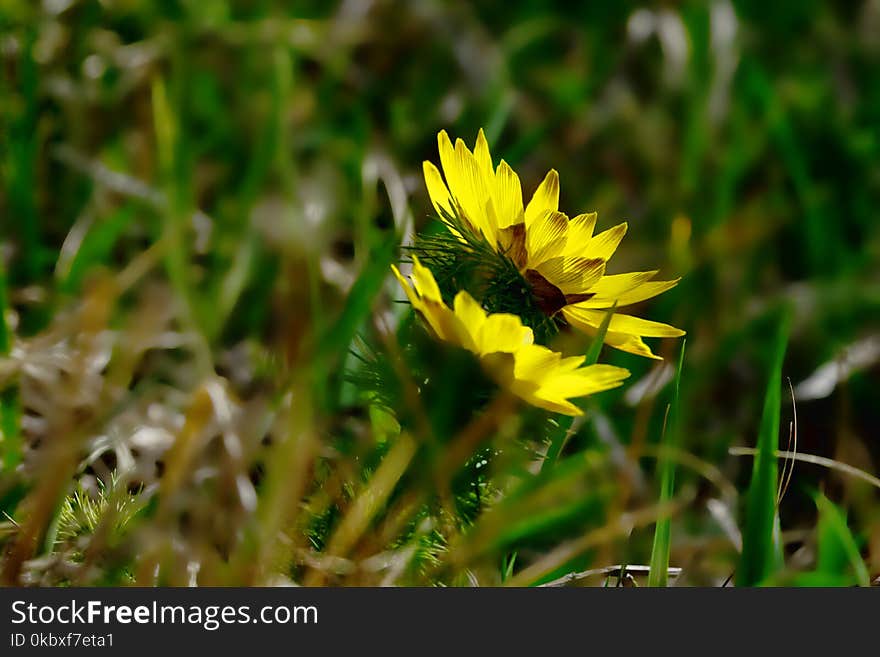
(506, 349)
(561, 258)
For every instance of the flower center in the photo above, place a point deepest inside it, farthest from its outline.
(551, 299)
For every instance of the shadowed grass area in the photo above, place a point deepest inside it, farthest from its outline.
(207, 374)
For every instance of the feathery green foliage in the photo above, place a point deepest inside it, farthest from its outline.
(81, 511)
(462, 260)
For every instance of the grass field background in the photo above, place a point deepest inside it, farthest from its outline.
(200, 205)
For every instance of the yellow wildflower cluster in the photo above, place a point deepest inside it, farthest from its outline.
(562, 261)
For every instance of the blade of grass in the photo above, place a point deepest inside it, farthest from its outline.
(574, 493)
(758, 559)
(272, 150)
(508, 564)
(290, 463)
(174, 180)
(821, 245)
(95, 249)
(21, 146)
(621, 525)
(369, 502)
(822, 461)
(592, 355)
(838, 550)
(10, 439)
(335, 342)
(658, 575)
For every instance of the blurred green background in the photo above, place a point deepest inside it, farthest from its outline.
(275, 150)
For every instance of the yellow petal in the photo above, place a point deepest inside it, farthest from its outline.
(481, 153)
(469, 311)
(623, 341)
(410, 293)
(512, 243)
(626, 289)
(580, 232)
(616, 285)
(554, 404)
(452, 172)
(584, 381)
(447, 157)
(632, 344)
(643, 327)
(507, 196)
(546, 198)
(622, 323)
(503, 332)
(424, 282)
(572, 275)
(502, 367)
(605, 243)
(425, 298)
(538, 363)
(545, 238)
(535, 361)
(559, 379)
(437, 189)
(472, 193)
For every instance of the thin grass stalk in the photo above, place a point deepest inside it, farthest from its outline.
(659, 573)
